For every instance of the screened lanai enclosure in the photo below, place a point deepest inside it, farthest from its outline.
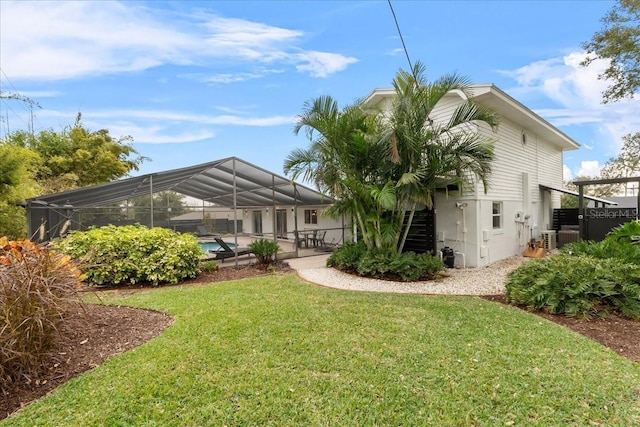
(228, 197)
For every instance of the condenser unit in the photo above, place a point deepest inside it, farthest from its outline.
(549, 239)
(567, 236)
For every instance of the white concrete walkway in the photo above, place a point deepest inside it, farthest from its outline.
(471, 281)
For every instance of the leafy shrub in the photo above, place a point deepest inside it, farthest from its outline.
(346, 258)
(37, 288)
(406, 267)
(578, 286)
(265, 250)
(622, 250)
(375, 263)
(385, 264)
(628, 232)
(133, 254)
(410, 266)
(209, 266)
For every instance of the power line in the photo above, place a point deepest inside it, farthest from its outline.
(27, 103)
(404, 46)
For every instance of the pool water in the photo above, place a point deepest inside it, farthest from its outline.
(212, 246)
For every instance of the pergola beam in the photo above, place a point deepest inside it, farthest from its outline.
(582, 184)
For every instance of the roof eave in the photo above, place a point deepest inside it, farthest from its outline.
(506, 106)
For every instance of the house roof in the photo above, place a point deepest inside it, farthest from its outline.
(575, 193)
(625, 202)
(213, 182)
(506, 106)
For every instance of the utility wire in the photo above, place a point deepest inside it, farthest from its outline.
(406, 52)
(27, 103)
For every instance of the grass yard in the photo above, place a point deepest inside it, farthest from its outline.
(275, 351)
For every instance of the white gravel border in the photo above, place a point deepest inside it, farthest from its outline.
(487, 280)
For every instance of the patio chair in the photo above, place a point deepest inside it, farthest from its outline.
(201, 231)
(226, 251)
(299, 240)
(318, 239)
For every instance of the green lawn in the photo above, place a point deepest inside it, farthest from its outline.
(275, 351)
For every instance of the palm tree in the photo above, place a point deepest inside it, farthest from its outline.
(377, 166)
(343, 162)
(429, 153)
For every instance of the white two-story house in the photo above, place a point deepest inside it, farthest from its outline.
(484, 227)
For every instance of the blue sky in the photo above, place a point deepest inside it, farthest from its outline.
(195, 81)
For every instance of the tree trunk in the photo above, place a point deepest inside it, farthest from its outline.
(406, 230)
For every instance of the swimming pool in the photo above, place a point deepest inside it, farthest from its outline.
(212, 246)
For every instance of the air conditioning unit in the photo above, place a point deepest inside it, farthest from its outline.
(549, 239)
(567, 236)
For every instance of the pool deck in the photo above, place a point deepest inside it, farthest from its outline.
(288, 250)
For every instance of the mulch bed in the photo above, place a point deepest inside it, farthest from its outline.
(98, 332)
(106, 331)
(619, 333)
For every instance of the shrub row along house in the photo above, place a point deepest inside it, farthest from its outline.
(480, 225)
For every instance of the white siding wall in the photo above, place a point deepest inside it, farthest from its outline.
(331, 226)
(334, 233)
(517, 171)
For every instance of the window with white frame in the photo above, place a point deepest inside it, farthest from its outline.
(496, 214)
(310, 216)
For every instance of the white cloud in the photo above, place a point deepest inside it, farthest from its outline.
(161, 127)
(112, 37)
(230, 78)
(590, 168)
(249, 37)
(153, 134)
(395, 52)
(95, 39)
(578, 93)
(566, 173)
(234, 77)
(202, 119)
(563, 80)
(321, 64)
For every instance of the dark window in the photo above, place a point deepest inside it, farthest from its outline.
(310, 216)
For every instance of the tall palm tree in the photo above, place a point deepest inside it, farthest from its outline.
(378, 166)
(342, 162)
(429, 153)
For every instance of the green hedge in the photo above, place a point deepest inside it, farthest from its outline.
(384, 264)
(586, 279)
(578, 286)
(346, 257)
(133, 254)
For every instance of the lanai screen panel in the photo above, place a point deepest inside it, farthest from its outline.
(212, 182)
